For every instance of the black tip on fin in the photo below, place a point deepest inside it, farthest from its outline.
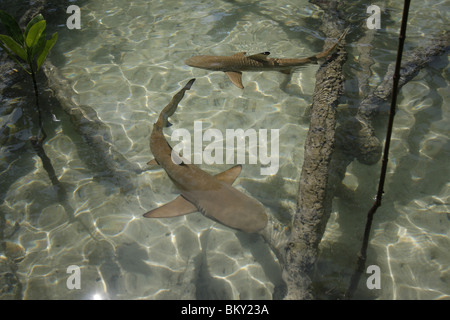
(189, 84)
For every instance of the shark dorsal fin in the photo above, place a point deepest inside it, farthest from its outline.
(236, 78)
(180, 206)
(228, 176)
(260, 56)
(239, 54)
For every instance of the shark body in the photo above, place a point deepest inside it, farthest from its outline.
(234, 65)
(213, 196)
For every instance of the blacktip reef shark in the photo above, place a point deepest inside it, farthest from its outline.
(234, 65)
(213, 196)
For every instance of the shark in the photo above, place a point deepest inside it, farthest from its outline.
(234, 65)
(200, 191)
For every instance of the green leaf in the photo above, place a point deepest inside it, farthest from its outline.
(13, 46)
(33, 35)
(11, 26)
(12, 56)
(48, 46)
(40, 45)
(32, 22)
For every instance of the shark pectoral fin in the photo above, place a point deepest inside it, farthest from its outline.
(178, 207)
(236, 78)
(286, 71)
(228, 176)
(153, 162)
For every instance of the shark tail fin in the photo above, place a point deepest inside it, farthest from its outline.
(328, 51)
(189, 84)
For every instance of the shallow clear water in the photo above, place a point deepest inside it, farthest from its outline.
(127, 61)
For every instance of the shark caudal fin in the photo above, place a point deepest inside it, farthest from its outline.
(180, 206)
(169, 110)
(189, 84)
(327, 52)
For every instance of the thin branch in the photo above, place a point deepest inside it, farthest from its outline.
(38, 107)
(38, 140)
(363, 253)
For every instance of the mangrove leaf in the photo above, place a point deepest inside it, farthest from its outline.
(13, 46)
(40, 45)
(32, 22)
(11, 26)
(33, 35)
(12, 56)
(48, 46)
